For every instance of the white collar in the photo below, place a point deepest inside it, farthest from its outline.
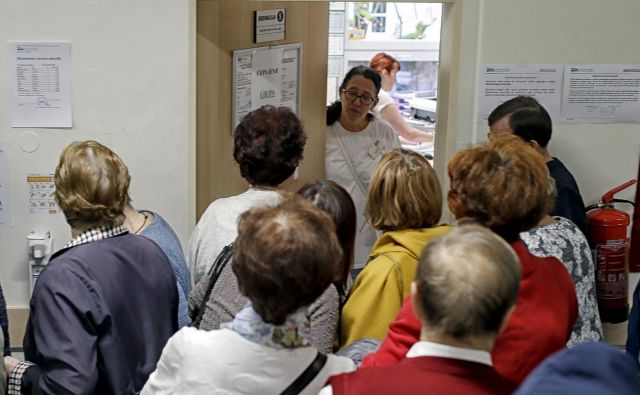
(429, 349)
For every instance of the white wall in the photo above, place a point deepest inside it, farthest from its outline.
(563, 32)
(131, 73)
(548, 31)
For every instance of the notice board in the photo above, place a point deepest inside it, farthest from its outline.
(265, 76)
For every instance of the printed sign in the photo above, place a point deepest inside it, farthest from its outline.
(269, 25)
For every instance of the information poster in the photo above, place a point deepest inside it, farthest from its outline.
(41, 85)
(601, 93)
(6, 217)
(265, 76)
(41, 194)
(501, 82)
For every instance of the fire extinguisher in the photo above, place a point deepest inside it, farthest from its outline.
(610, 248)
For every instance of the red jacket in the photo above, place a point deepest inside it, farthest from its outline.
(424, 375)
(540, 325)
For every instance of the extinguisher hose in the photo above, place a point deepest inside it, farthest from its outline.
(599, 205)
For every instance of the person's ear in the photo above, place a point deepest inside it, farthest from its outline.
(535, 145)
(384, 73)
(415, 300)
(506, 318)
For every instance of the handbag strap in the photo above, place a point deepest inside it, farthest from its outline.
(347, 159)
(216, 270)
(307, 376)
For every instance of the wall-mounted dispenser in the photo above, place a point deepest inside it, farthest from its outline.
(40, 248)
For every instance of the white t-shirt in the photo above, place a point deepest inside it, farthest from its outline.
(365, 149)
(223, 362)
(218, 227)
(384, 99)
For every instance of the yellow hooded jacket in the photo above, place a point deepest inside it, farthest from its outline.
(379, 290)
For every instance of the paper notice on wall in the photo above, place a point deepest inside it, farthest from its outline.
(41, 194)
(289, 87)
(601, 93)
(6, 211)
(41, 85)
(501, 82)
(266, 78)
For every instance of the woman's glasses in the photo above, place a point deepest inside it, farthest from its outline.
(352, 95)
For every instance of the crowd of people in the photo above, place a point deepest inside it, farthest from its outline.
(351, 285)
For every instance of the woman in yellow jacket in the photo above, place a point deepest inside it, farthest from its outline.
(405, 202)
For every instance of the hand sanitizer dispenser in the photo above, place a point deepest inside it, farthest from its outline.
(40, 247)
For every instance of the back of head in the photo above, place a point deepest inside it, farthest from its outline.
(336, 201)
(334, 110)
(586, 369)
(528, 119)
(285, 257)
(404, 192)
(92, 185)
(467, 281)
(501, 184)
(384, 61)
(268, 145)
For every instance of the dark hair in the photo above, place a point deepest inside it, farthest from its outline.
(528, 119)
(335, 109)
(285, 257)
(336, 201)
(92, 185)
(268, 145)
(502, 184)
(384, 61)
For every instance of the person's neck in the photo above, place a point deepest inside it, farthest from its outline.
(135, 221)
(481, 343)
(547, 156)
(357, 126)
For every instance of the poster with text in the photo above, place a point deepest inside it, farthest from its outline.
(501, 82)
(40, 85)
(601, 93)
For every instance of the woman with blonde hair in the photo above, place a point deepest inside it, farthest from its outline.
(107, 302)
(405, 202)
(503, 186)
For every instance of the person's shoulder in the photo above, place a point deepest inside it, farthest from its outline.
(381, 126)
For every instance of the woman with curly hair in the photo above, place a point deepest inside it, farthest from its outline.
(268, 146)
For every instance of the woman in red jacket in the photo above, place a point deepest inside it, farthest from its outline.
(502, 185)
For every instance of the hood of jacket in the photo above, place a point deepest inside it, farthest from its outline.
(410, 241)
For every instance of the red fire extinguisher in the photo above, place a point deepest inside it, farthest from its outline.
(610, 247)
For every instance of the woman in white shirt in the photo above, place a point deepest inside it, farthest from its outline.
(387, 66)
(284, 258)
(355, 142)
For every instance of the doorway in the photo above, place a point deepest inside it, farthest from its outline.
(409, 33)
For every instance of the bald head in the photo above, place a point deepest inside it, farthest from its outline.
(466, 282)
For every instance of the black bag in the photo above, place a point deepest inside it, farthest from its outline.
(307, 376)
(216, 269)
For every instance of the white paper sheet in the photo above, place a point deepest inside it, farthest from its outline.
(266, 78)
(41, 85)
(601, 93)
(266, 75)
(501, 82)
(6, 210)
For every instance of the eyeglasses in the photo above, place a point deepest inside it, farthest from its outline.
(353, 95)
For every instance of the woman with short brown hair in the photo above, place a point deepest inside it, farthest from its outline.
(284, 258)
(405, 202)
